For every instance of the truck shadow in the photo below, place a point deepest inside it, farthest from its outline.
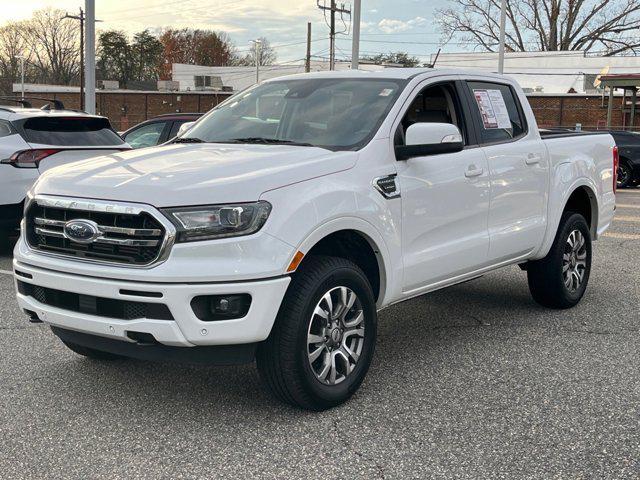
(412, 337)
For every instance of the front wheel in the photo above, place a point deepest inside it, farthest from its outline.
(323, 340)
(560, 279)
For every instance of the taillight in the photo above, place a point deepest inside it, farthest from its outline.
(30, 158)
(616, 164)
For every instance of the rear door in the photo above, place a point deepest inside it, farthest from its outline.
(518, 167)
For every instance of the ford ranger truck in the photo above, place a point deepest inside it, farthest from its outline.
(279, 225)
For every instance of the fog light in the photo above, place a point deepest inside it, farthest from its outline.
(210, 308)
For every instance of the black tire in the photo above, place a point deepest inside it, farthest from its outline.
(546, 277)
(5, 239)
(90, 352)
(625, 175)
(283, 359)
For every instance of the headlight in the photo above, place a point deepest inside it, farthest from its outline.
(220, 221)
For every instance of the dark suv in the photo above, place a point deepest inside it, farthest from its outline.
(629, 147)
(158, 130)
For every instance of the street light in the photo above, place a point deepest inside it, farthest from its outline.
(257, 44)
(21, 58)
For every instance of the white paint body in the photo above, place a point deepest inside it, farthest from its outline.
(459, 215)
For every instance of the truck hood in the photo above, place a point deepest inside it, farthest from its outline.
(177, 175)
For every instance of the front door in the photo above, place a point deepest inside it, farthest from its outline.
(445, 198)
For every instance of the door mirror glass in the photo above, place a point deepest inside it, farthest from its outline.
(423, 139)
(184, 128)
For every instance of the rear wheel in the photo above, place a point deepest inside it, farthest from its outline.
(560, 279)
(625, 175)
(323, 340)
(90, 352)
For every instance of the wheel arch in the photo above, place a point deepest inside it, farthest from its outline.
(583, 200)
(358, 241)
(580, 196)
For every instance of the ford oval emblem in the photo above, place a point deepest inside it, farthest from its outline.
(81, 231)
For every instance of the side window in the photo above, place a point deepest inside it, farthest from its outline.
(145, 136)
(498, 111)
(5, 129)
(434, 104)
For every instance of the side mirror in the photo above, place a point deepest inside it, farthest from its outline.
(422, 139)
(184, 128)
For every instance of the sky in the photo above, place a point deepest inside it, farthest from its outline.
(396, 25)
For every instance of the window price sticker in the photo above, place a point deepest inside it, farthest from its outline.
(493, 109)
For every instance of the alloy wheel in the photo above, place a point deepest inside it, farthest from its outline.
(335, 336)
(574, 261)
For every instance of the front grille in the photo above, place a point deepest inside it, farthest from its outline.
(132, 239)
(101, 307)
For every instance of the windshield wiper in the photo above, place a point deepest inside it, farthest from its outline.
(267, 141)
(188, 140)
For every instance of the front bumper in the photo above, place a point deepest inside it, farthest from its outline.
(186, 330)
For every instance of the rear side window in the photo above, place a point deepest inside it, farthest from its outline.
(6, 129)
(498, 111)
(70, 131)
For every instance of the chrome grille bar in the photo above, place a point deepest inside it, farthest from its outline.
(126, 242)
(134, 232)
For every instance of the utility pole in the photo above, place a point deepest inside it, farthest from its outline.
(257, 44)
(90, 56)
(80, 18)
(503, 22)
(355, 47)
(22, 75)
(307, 65)
(332, 26)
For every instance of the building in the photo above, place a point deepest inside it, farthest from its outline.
(546, 72)
(126, 108)
(202, 78)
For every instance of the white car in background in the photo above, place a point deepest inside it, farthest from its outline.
(34, 140)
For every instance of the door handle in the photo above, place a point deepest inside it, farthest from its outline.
(473, 171)
(533, 159)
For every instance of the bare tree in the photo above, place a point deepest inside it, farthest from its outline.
(55, 44)
(12, 47)
(546, 25)
(267, 54)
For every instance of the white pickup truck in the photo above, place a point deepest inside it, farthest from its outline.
(279, 225)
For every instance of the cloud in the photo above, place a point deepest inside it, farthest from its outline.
(389, 25)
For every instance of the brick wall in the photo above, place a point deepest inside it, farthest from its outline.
(126, 109)
(567, 110)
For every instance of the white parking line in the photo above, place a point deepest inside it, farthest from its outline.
(623, 218)
(623, 236)
(628, 192)
(6, 272)
(627, 205)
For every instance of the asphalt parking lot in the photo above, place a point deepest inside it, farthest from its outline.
(475, 381)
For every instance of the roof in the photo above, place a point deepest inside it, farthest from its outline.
(15, 113)
(621, 80)
(395, 73)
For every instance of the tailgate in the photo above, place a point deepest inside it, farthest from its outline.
(69, 155)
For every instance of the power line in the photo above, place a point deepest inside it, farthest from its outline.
(333, 9)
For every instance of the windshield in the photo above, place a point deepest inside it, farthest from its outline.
(338, 114)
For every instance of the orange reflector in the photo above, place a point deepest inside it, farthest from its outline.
(297, 258)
